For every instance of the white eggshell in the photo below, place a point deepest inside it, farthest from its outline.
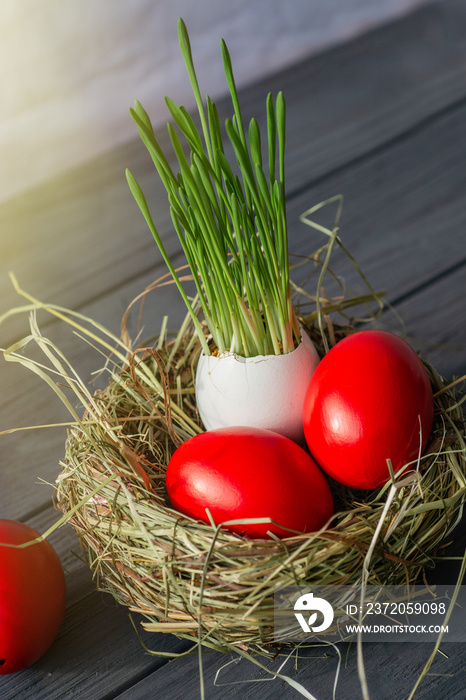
(266, 391)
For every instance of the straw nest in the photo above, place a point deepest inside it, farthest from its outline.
(192, 580)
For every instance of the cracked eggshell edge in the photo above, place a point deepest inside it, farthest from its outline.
(266, 391)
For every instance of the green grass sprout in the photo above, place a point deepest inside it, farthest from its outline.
(232, 227)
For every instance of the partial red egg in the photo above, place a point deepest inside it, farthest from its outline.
(32, 597)
(240, 473)
(368, 401)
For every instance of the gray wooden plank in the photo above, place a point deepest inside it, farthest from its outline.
(347, 101)
(433, 321)
(341, 105)
(96, 635)
(27, 400)
(96, 654)
(391, 669)
(404, 209)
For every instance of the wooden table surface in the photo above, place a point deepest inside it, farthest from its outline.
(381, 120)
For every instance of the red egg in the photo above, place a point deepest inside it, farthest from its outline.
(240, 473)
(368, 401)
(32, 597)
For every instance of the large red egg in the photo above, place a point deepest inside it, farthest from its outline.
(368, 401)
(32, 597)
(240, 473)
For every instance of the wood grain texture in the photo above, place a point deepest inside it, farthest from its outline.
(98, 651)
(97, 658)
(434, 323)
(404, 211)
(391, 670)
(380, 120)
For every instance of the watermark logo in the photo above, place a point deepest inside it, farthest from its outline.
(311, 605)
(377, 613)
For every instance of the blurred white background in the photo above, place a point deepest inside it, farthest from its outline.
(69, 69)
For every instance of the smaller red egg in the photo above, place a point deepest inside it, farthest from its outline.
(368, 401)
(240, 473)
(32, 597)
